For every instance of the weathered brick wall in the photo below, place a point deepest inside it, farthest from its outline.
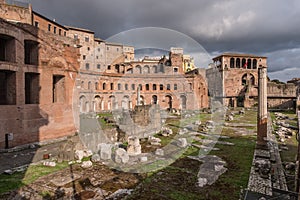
(47, 119)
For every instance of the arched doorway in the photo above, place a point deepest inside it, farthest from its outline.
(125, 102)
(82, 105)
(154, 99)
(169, 101)
(183, 102)
(97, 104)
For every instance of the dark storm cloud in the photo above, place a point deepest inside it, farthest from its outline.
(269, 27)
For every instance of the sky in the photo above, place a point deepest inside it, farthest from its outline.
(262, 27)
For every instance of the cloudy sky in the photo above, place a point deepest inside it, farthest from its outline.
(264, 27)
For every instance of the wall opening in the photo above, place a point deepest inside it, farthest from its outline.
(7, 48)
(31, 52)
(32, 88)
(58, 90)
(7, 87)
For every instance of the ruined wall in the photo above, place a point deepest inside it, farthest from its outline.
(45, 64)
(16, 13)
(281, 96)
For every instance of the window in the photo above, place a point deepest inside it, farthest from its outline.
(111, 86)
(119, 86)
(154, 86)
(98, 66)
(117, 49)
(36, 24)
(89, 85)
(88, 48)
(59, 31)
(49, 27)
(161, 87)
(132, 86)
(107, 48)
(231, 62)
(141, 87)
(87, 66)
(65, 33)
(7, 87)
(75, 36)
(98, 49)
(54, 29)
(168, 87)
(31, 52)
(97, 57)
(104, 86)
(147, 86)
(191, 86)
(175, 70)
(32, 88)
(7, 48)
(96, 86)
(175, 86)
(87, 39)
(126, 86)
(108, 67)
(82, 84)
(58, 92)
(83, 57)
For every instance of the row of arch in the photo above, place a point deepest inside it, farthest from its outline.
(143, 87)
(243, 63)
(146, 69)
(99, 104)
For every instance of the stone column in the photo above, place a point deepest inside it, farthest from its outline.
(262, 113)
(138, 96)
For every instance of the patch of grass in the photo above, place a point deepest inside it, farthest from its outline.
(19, 179)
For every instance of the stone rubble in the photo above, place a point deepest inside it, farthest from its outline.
(121, 156)
(134, 147)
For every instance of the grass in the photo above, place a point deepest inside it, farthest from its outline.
(103, 123)
(19, 179)
(178, 181)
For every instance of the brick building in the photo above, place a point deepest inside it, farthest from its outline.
(38, 70)
(233, 79)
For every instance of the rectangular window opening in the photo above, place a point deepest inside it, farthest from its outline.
(58, 91)
(31, 52)
(7, 87)
(32, 88)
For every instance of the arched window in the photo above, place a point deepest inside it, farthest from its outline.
(141, 87)
(161, 87)
(146, 69)
(238, 63)
(249, 63)
(175, 86)
(154, 86)
(147, 86)
(244, 65)
(139, 69)
(133, 86)
(254, 64)
(119, 86)
(168, 87)
(244, 79)
(252, 79)
(104, 86)
(154, 99)
(82, 84)
(126, 86)
(231, 62)
(155, 69)
(96, 86)
(89, 85)
(111, 86)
